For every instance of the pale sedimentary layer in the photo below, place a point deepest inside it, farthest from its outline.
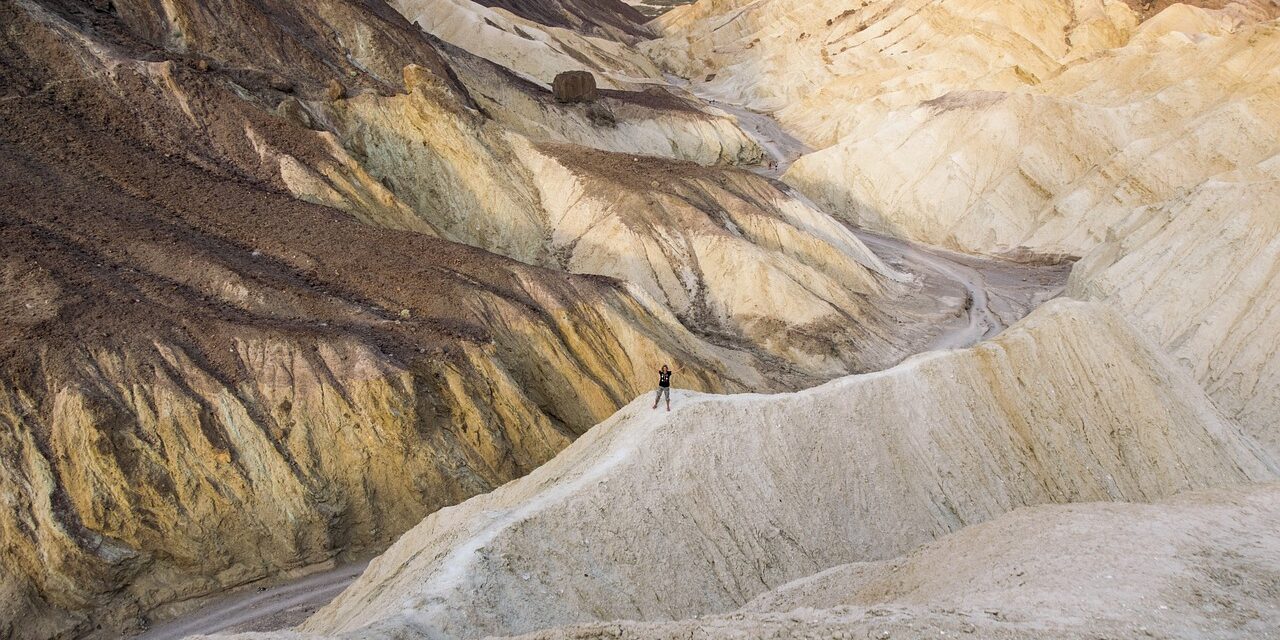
(1198, 275)
(655, 517)
(1018, 128)
(826, 69)
(1198, 566)
(1151, 152)
(1052, 169)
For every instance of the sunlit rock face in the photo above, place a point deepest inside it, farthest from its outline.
(1196, 273)
(1023, 128)
(1053, 169)
(1143, 138)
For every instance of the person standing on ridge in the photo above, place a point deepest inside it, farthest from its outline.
(664, 386)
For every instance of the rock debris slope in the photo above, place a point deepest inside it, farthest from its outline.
(647, 517)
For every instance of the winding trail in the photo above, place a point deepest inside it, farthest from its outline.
(783, 150)
(261, 609)
(983, 323)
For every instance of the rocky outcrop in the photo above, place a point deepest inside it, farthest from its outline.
(574, 86)
(645, 122)
(650, 518)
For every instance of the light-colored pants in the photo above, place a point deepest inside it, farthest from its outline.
(662, 391)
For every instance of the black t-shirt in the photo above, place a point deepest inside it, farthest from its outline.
(664, 378)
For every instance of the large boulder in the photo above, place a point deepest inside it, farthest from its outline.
(574, 86)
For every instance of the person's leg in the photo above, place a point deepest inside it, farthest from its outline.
(668, 394)
(657, 398)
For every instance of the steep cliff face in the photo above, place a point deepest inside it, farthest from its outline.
(653, 518)
(207, 380)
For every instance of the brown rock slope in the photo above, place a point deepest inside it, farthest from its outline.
(608, 18)
(207, 380)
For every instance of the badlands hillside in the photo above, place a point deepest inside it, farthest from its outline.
(280, 280)
(285, 285)
(1144, 141)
